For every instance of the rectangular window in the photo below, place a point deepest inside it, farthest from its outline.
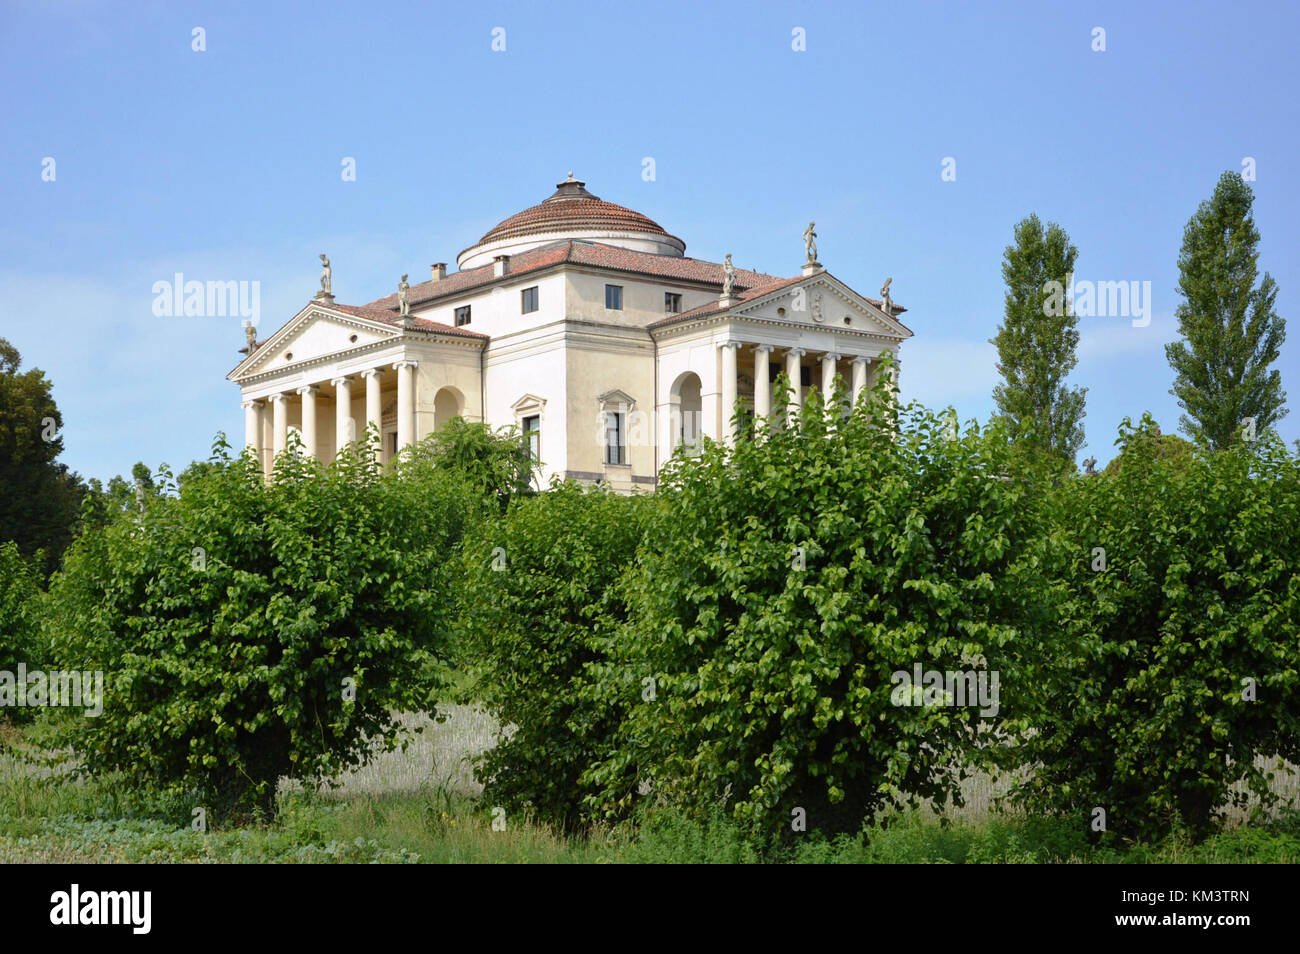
(614, 452)
(672, 303)
(533, 432)
(462, 315)
(529, 299)
(614, 297)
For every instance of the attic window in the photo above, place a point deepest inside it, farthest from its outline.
(352, 338)
(780, 311)
(848, 320)
(288, 356)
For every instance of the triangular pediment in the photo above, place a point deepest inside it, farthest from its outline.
(315, 332)
(822, 301)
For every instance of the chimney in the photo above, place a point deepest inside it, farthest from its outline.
(500, 265)
(439, 271)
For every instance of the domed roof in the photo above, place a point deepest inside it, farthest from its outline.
(572, 211)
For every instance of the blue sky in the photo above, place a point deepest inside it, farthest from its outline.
(225, 165)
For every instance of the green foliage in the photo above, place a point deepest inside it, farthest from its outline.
(779, 588)
(540, 606)
(40, 499)
(1037, 340)
(1140, 704)
(494, 465)
(1230, 328)
(19, 592)
(1170, 446)
(229, 620)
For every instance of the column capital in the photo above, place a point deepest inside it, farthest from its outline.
(309, 389)
(796, 353)
(861, 359)
(764, 347)
(278, 396)
(729, 344)
(250, 403)
(372, 372)
(831, 356)
(341, 379)
(405, 363)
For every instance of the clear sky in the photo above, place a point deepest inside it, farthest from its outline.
(225, 165)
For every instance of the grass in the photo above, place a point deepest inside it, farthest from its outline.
(421, 805)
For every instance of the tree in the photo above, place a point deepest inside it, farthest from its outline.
(252, 630)
(1036, 342)
(1231, 332)
(1167, 664)
(40, 499)
(540, 606)
(496, 465)
(782, 588)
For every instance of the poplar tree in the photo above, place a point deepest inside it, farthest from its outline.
(1230, 331)
(1037, 341)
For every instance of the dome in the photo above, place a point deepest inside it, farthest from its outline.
(571, 212)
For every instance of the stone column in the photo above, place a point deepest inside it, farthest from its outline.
(762, 383)
(859, 378)
(729, 349)
(796, 389)
(828, 376)
(280, 424)
(309, 442)
(374, 412)
(343, 426)
(253, 427)
(405, 404)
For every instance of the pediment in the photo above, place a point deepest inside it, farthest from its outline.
(823, 301)
(312, 334)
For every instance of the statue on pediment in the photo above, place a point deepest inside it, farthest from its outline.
(728, 276)
(326, 276)
(885, 303)
(810, 243)
(403, 291)
(250, 337)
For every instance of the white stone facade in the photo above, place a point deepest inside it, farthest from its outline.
(612, 379)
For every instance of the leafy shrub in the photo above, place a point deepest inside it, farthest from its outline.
(495, 465)
(1142, 706)
(539, 606)
(235, 622)
(780, 587)
(19, 589)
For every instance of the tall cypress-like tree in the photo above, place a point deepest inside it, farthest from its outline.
(1231, 333)
(1037, 340)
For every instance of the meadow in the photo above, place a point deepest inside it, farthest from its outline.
(422, 805)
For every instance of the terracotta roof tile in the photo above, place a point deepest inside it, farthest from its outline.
(389, 316)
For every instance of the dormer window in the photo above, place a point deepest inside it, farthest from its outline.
(672, 303)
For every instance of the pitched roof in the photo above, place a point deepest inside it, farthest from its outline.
(389, 317)
(579, 252)
(750, 294)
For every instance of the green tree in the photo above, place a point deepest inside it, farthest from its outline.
(1167, 663)
(1230, 330)
(782, 587)
(252, 630)
(19, 588)
(40, 499)
(495, 464)
(540, 606)
(1037, 340)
